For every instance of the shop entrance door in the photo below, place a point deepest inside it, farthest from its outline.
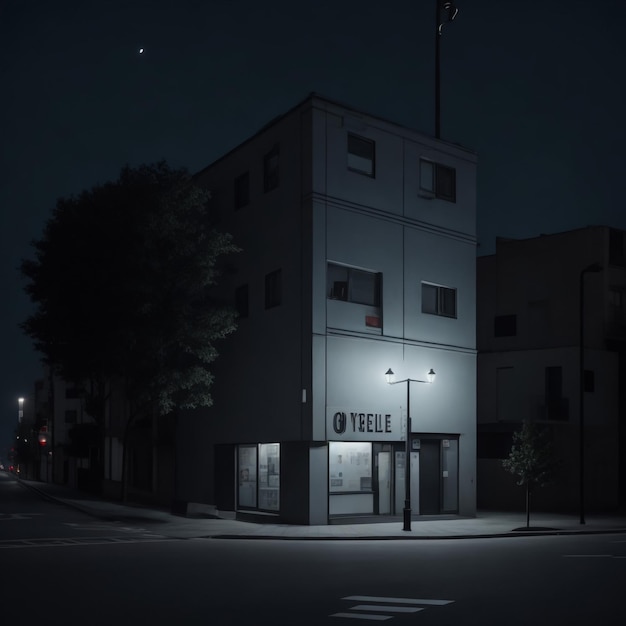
(400, 491)
(429, 473)
(384, 483)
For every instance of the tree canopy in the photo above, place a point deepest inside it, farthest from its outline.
(123, 282)
(531, 458)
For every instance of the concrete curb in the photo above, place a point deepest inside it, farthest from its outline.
(147, 515)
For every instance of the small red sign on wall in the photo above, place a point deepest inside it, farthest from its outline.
(372, 320)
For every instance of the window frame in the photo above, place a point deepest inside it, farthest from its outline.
(241, 190)
(273, 289)
(271, 171)
(371, 173)
(258, 477)
(242, 301)
(441, 291)
(353, 271)
(435, 189)
(505, 325)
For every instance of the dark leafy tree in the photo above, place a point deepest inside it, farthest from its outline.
(531, 459)
(123, 283)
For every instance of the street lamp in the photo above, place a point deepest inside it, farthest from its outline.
(430, 377)
(442, 5)
(20, 410)
(593, 268)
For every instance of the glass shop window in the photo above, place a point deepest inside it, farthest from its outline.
(350, 466)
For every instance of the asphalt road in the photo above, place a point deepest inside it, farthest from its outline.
(61, 566)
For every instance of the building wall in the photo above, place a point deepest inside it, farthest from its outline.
(538, 281)
(280, 375)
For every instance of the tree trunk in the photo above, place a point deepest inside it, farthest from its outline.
(527, 505)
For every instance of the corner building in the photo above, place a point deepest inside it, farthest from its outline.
(358, 255)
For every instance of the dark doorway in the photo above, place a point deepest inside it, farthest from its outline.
(430, 470)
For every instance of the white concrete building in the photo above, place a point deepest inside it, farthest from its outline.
(358, 255)
(529, 364)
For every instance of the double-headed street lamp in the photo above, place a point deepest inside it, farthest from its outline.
(430, 377)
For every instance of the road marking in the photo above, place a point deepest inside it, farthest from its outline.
(401, 600)
(588, 556)
(77, 541)
(6, 516)
(109, 527)
(362, 616)
(391, 608)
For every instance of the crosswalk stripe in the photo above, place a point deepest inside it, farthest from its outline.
(399, 600)
(390, 608)
(362, 616)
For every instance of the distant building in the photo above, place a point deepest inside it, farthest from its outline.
(529, 325)
(359, 251)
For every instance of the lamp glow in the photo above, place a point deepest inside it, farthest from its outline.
(389, 375)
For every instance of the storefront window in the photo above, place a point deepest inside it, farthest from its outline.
(247, 476)
(269, 476)
(259, 476)
(450, 466)
(350, 464)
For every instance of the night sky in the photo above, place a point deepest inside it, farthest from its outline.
(535, 87)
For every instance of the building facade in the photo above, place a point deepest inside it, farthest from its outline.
(358, 255)
(539, 301)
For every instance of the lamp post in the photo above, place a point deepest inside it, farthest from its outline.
(430, 377)
(20, 410)
(593, 268)
(442, 5)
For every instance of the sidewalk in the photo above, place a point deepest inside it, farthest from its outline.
(485, 524)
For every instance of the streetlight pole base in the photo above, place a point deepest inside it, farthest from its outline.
(407, 519)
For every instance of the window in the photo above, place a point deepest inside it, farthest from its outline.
(617, 307)
(72, 392)
(352, 285)
(270, 169)
(505, 325)
(438, 181)
(617, 250)
(258, 476)
(361, 155)
(350, 466)
(242, 190)
(438, 300)
(247, 472)
(241, 300)
(556, 406)
(273, 289)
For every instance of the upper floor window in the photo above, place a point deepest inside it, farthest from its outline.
(353, 285)
(273, 289)
(241, 300)
(72, 392)
(505, 325)
(242, 190)
(438, 300)
(556, 406)
(361, 155)
(270, 169)
(438, 181)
